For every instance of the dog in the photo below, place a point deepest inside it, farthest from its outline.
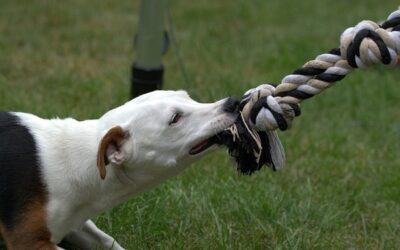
(57, 174)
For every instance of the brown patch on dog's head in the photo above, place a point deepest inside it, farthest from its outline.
(109, 144)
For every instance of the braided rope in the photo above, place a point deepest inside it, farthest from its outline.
(252, 140)
(268, 108)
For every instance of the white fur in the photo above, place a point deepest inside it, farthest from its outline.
(153, 152)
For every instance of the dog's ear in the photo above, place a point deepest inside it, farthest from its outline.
(110, 149)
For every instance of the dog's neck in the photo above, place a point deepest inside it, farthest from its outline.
(68, 151)
(81, 152)
(81, 194)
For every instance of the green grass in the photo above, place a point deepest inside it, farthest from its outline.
(341, 186)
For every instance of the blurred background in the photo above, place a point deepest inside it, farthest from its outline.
(340, 188)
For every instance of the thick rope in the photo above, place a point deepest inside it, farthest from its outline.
(268, 107)
(361, 46)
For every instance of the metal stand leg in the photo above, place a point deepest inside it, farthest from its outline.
(151, 43)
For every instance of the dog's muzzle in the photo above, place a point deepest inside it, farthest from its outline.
(230, 106)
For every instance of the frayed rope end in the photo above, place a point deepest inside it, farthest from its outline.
(252, 149)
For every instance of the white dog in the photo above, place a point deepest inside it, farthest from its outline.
(57, 174)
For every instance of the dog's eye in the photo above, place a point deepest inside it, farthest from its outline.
(175, 118)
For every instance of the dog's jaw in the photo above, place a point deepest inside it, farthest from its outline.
(209, 142)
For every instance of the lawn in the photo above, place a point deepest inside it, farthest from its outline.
(340, 188)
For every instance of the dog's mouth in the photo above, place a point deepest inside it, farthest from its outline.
(217, 139)
(204, 145)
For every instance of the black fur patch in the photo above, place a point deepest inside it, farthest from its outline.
(20, 180)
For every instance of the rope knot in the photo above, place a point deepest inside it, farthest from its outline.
(368, 43)
(267, 112)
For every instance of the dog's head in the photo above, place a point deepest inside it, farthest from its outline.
(161, 130)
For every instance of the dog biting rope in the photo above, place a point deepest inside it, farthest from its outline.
(252, 140)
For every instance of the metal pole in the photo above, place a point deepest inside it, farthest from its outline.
(150, 43)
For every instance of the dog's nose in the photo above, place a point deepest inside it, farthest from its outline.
(231, 105)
